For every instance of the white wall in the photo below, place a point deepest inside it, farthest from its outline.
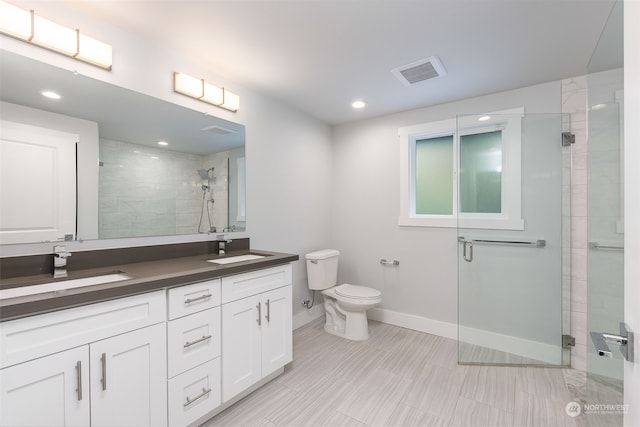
(288, 153)
(632, 204)
(365, 227)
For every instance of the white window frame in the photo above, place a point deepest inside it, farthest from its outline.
(510, 217)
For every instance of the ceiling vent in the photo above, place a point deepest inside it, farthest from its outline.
(218, 130)
(419, 71)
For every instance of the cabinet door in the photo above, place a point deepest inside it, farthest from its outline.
(241, 358)
(53, 390)
(277, 344)
(128, 379)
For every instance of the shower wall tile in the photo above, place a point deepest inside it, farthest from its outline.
(574, 101)
(152, 191)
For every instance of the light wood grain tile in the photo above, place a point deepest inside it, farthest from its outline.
(491, 385)
(471, 413)
(534, 411)
(408, 416)
(376, 397)
(312, 407)
(547, 383)
(436, 391)
(250, 411)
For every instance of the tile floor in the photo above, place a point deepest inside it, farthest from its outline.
(400, 377)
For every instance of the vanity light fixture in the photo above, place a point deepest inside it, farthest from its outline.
(206, 92)
(484, 118)
(29, 27)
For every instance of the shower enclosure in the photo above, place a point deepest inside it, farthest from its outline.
(514, 239)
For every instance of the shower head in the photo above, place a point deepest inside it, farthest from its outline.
(205, 174)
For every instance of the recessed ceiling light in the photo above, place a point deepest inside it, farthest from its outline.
(51, 94)
(163, 143)
(483, 118)
(358, 104)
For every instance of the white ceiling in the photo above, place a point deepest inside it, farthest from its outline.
(318, 56)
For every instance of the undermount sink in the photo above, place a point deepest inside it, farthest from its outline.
(62, 285)
(238, 258)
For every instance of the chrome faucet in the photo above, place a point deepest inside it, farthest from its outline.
(60, 256)
(222, 244)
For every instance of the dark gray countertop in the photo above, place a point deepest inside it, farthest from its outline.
(147, 276)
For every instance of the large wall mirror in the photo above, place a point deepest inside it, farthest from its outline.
(126, 183)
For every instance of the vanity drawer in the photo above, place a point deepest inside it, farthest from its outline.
(193, 340)
(194, 393)
(193, 298)
(255, 282)
(40, 335)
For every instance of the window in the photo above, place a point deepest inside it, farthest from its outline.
(463, 172)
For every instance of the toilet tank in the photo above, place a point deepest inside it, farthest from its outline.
(322, 269)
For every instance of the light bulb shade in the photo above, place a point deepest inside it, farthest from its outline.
(14, 21)
(231, 101)
(54, 36)
(187, 85)
(94, 51)
(213, 94)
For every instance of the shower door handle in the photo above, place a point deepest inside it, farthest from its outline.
(464, 250)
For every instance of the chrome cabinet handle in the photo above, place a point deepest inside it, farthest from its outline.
(268, 316)
(205, 296)
(259, 319)
(201, 395)
(103, 361)
(79, 379)
(190, 343)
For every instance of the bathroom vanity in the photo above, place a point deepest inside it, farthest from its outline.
(180, 340)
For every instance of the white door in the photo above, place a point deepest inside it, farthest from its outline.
(277, 344)
(241, 345)
(50, 391)
(128, 379)
(37, 184)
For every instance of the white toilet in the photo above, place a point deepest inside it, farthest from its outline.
(345, 305)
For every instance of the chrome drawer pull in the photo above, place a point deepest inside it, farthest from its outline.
(79, 375)
(204, 338)
(190, 401)
(268, 316)
(103, 361)
(259, 320)
(189, 300)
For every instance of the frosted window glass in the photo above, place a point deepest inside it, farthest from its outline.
(481, 172)
(434, 176)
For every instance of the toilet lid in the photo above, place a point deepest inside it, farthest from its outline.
(361, 292)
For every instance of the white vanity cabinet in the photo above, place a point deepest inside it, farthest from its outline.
(102, 364)
(193, 351)
(256, 327)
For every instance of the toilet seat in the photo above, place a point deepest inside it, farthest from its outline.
(357, 292)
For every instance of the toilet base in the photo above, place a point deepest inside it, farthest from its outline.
(349, 325)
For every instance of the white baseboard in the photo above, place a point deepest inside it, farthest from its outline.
(543, 352)
(522, 347)
(417, 323)
(308, 316)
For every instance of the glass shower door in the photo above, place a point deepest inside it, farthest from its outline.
(605, 226)
(513, 240)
